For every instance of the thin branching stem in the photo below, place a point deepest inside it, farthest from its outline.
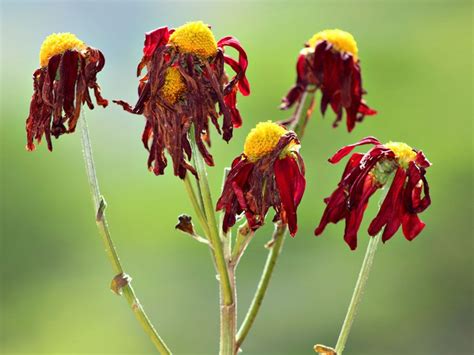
(99, 206)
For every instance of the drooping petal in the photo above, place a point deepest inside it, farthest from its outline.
(336, 204)
(341, 153)
(354, 218)
(389, 211)
(156, 38)
(411, 225)
(291, 184)
(243, 83)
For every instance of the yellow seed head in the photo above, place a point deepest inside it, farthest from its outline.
(58, 43)
(403, 153)
(342, 41)
(174, 86)
(263, 139)
(195, 38)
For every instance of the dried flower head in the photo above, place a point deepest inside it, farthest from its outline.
(330, 62)
(269, 173)
(185, 87)
(68, 69)
(364, 174)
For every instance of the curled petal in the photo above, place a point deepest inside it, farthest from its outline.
(341, 153)
(241, 68)
(155, 38)
(411, 225)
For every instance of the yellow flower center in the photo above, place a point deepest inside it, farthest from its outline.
(58, 43)
(195, 38)
(263, 139)
(174, 86)
(342, 41)
(403, 153)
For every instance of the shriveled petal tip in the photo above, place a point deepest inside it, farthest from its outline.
(421, 160)
(155, 38)
(341, 153)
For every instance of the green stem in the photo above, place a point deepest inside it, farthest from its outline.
(196, 206)
(278, 238)
(227, 287)
(360, 286)
(213, 236)
(99, 205)
(301, 115)
(228, 317)
(358, 292)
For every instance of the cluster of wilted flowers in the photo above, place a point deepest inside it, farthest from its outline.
(187, 89)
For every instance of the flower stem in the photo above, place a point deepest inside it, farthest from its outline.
(357, 294)
(302, 114)
(213, 236)
(99, 205)
(196, 205)
(278, 238)
(226, 281)
(359, 287)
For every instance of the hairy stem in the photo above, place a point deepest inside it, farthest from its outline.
(359, 287)
(357, 294)
(99, 205)
(196, 205)
(278, 238)
(213, 236)
(226, 281)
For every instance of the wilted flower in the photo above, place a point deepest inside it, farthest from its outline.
(185, 81)
(270, 172)
(68, 68)
(330, 62)
(364, 174)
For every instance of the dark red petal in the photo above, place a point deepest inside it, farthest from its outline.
(341, 153)
(230, 41)
(335, 210)
(70, 60)
(155, 38)
(354, 219)
(291, 184)
(411, 225)
(421, 160)
(412, 199)
(389, 211)
(230, 101)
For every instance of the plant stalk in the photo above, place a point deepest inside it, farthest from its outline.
(360, 286)
(357, 294)
(213, 236)
(278, 239)
(99, 205)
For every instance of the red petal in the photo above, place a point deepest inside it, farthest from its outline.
(341, 153)
(421, 160)
(411, 225)
(230, 101)
(291, 184)
(354, 219)
(389, 211)
(155, 38)
(230, 41)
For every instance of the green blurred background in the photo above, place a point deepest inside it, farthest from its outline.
(416, 59)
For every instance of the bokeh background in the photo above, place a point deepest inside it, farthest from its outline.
(416, 58)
